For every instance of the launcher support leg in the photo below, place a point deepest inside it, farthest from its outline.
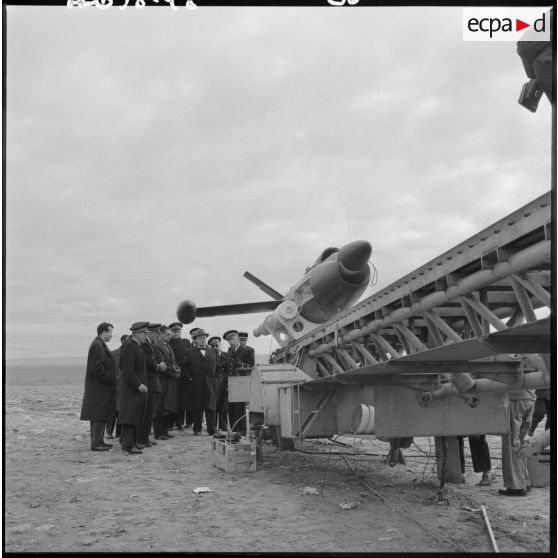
(447, 448)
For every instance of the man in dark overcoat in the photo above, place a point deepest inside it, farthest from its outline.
(99, 398)
(179, 347)
(133, 392)
(238, 357)
(200, 363)
(169, 385)
(118, 373)
(221, 383)
(153, 385)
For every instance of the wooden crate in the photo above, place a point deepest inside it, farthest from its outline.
(238, 457)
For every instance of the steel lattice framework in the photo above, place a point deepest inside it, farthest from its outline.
(496, 280)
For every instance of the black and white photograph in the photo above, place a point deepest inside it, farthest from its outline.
(278, 277)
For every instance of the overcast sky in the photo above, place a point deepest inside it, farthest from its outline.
(155, 155)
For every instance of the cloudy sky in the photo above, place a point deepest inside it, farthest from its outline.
(155, 155)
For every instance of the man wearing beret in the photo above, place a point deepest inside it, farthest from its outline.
(238, 357)
(99, 398)
(199, 367)
(179, 347)
(169, 385)
(133, 393)
(153, 384)
(221, 398)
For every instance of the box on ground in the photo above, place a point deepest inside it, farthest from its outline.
(234, 457)
(539, 470)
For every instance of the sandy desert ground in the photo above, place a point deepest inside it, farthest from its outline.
(60, 496)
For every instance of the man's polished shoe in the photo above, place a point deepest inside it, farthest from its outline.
(162, 437)
(512, 492)
(100, 448)
(148, 444)
(140, 446)
(197, 433)
(106, 445)
(132, 450)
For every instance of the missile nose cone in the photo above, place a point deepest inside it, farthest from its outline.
(355, 255)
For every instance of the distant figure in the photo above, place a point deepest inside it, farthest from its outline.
(200, 365)
(541, 408)
(133, 393)
(221, 391)
(238, 357)
(118, 373)
(99, 398)
(179, 347)
(514, 467)
(153, 386)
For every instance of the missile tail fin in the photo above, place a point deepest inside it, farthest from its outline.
(263, 286)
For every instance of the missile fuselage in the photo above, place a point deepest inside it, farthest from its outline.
(333, 283)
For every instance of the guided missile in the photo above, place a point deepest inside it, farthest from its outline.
(334, 282)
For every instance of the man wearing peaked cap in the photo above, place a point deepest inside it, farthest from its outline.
(153, 385)
(169, 385)
(200, 363)
(133, 393)
(221, 398)
(175, 325)
(138, 326)
(243, 339)
(238, 357)
(227, 334)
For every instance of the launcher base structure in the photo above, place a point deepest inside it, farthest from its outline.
(432, 354)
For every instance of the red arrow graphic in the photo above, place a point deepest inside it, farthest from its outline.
(519, 25)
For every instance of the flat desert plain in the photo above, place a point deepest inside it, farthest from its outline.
(62, 497)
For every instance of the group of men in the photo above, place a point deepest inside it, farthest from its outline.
(157, 380)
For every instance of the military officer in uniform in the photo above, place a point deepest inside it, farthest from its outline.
(200, 365)
(243, 340)
(153, 384)
(169, 385)
(99, 398)
(118, 373)
(238, 357)
(133, 392)
(221, 399)
(179, 347)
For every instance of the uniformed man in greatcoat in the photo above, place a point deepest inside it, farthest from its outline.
(133, 393)
(118, 373)
(99, 398)
(243, 340)
(200, 364)
(179, 347)
(169, 385)
(221, 389)
(153, 385)
(238, 357)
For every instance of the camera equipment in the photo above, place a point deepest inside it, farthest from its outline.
(531, 94)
